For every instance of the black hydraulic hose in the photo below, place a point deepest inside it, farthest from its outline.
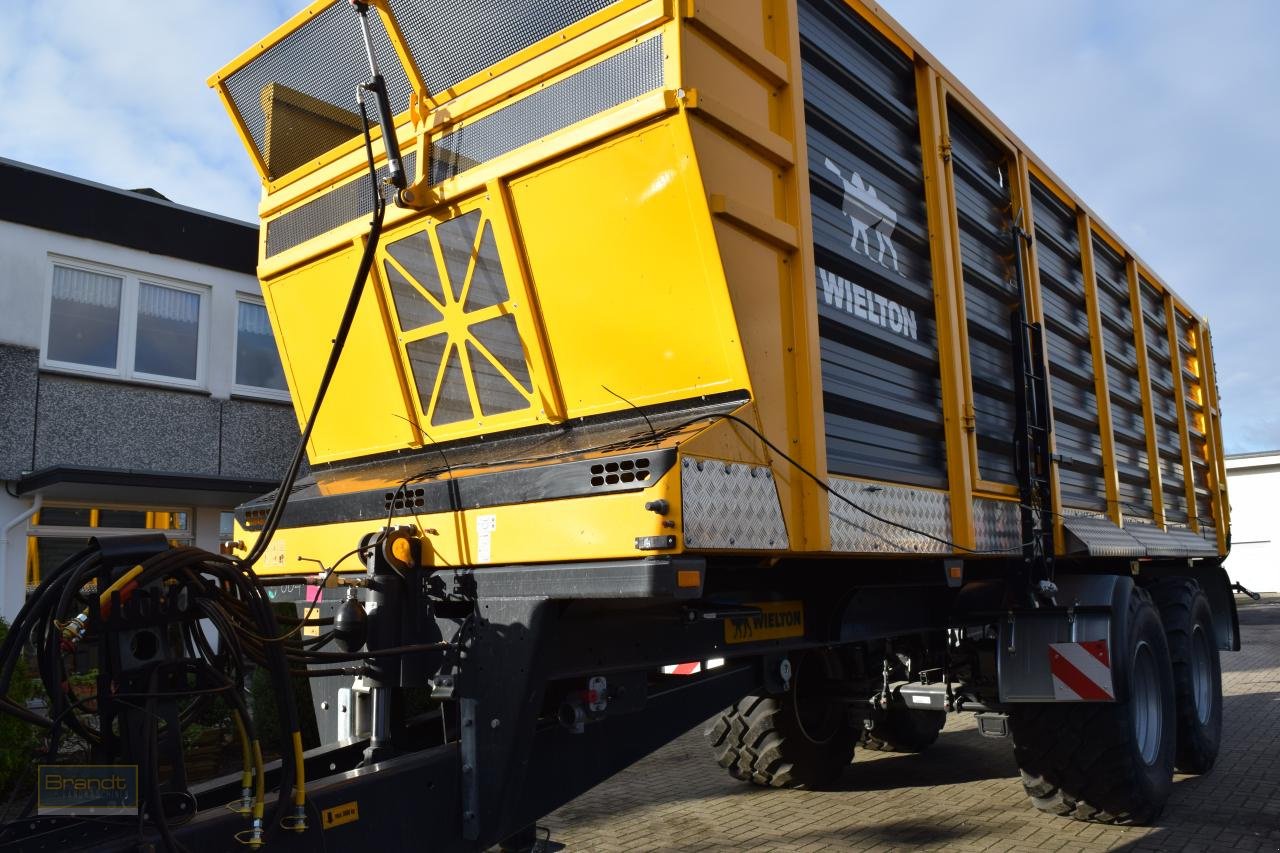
(335, 352)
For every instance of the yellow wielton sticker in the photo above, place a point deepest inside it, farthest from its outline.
(776, 620)
(338, 815)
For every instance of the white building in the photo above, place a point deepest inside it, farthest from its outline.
(1253, 483)
(140, 388)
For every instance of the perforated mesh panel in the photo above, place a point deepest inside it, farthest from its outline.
(415, 312)
(453, 404)
(314, 72)
(325, 212)
(450, 40)
(424, 358)
(488, 287)
(453, 304)
(593, 90)
(502, 339)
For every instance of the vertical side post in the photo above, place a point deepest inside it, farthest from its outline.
(794, 205)
(1180, 398)
(1217, 465)
(943, 257)
(1110, 476)
(1144, 381)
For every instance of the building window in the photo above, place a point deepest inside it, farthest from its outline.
(257, 368)
(84, 318)
(120, 324)
(60, 530)
(167, 342)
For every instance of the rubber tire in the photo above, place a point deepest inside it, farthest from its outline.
(1081, 759)
(904, 730)
(759, 740)
(1183, 608)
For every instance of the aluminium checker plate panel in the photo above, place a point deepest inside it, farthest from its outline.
(730, 505)
(1196, 544)
(997, 526)
(924, 511)
(1098, 536)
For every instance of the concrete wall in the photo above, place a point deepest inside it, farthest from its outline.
(49, 419)
(18, 384)
(1253, 483)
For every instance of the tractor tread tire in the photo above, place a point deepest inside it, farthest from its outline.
(756, 742)
(1079, 759)
(1182, 603)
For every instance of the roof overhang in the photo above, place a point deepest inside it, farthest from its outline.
(114, 485)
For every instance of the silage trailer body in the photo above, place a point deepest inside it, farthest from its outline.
(804, 220)
(723, 330)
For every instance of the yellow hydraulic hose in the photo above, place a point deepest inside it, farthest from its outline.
(299, 822)
(246, 754)
(119, 582)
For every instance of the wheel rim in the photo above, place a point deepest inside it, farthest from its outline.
(1148, 710)
(818, 719)
(1201, 673)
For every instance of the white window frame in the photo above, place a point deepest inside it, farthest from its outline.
(127, 329)
(252, 390)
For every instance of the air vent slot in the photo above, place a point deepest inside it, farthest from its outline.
(622, 472)
(405, 499)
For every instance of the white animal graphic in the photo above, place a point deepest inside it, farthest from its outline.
(867, 212)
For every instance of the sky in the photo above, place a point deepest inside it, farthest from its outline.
(1163, 115)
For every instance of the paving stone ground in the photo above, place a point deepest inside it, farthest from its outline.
(962, 794)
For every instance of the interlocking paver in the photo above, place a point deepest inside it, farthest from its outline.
(960, 795)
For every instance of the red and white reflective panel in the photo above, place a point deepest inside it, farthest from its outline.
(692, 667)
(1081, 672)
(682, 668)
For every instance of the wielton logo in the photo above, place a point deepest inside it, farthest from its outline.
(866, 304)
(867, 214)
(776, 620)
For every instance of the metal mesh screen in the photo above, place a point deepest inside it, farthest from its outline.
(298, 99)
(593, 90)
(325, 212)
(450, 40)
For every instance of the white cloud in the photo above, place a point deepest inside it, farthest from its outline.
(115, 92)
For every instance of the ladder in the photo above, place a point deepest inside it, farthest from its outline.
(1032, 434)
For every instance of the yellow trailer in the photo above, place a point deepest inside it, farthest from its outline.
(650, 353)
(794, 216)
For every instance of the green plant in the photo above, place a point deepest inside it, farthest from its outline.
(17, 738)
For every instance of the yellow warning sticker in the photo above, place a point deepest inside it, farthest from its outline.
(776, 620)
(338, 815)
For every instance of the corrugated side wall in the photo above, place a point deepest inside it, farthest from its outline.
(881, 389)
(1127, 423)
(1075, 405)
(983, 210)
(1163, 403)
